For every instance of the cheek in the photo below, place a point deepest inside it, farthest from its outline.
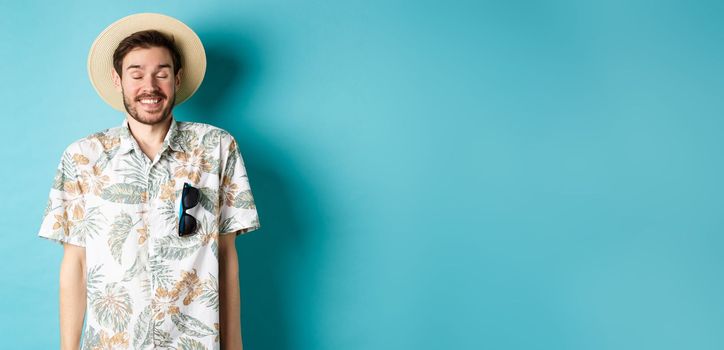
(130, 88)
(167, 87)
(131, 97)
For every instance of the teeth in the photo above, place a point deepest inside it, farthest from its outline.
(150, 101)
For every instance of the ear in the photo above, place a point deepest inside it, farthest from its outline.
(178, 77)
(116, 80)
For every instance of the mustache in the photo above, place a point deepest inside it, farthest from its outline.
(156, 95)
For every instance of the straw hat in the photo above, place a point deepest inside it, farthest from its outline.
(100, 57)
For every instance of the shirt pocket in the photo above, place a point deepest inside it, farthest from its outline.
(206, 212)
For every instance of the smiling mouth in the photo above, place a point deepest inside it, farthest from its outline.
(151, 103)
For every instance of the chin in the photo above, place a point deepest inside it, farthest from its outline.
(151, 117)
(137, 111)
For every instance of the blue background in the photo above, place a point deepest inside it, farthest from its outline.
(429, 175)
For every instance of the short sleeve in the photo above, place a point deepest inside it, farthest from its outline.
(65, 208)
(237, 210)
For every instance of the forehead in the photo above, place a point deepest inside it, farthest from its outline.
(147, 58)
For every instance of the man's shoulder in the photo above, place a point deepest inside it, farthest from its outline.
(207, 135)
(201, 128)
(101, 140)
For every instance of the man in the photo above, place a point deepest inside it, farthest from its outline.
(148, 211)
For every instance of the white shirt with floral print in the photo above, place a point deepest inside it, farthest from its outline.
(147, 287)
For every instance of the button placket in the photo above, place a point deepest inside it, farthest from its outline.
(145, 211)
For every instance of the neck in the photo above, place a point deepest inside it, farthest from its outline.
(149, 136)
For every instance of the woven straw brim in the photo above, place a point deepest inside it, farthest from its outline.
(100, 57)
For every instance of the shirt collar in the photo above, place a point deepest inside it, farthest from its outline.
(129, 143)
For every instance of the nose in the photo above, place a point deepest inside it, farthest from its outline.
(150, 84)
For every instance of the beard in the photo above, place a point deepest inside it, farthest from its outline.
(146, 118)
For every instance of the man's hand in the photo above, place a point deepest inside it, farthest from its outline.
(229, 299)
(72, 295)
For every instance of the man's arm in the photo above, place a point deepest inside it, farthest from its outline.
(229, 299)
(72, 295)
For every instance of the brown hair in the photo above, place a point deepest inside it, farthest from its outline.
(146, 39)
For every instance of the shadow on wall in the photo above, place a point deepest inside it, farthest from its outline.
(271, 258)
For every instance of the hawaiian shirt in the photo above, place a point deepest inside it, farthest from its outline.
(147, 287)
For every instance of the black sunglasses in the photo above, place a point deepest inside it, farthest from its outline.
(189, 199)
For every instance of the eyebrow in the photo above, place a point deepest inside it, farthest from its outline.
(138, 66)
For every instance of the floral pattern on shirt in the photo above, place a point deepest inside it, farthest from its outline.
(147, 287)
